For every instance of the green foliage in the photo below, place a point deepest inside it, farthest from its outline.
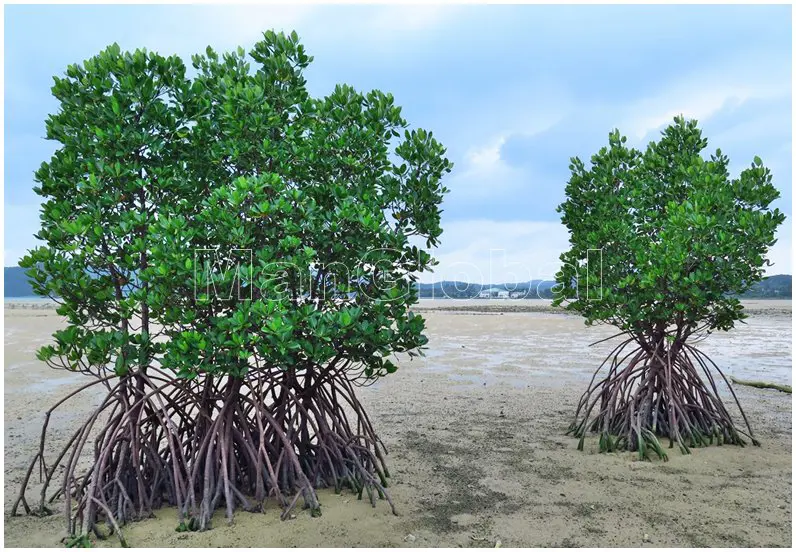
(191, 525)
(118, 126)
(678, 235)
(325, 200)
(160, 179)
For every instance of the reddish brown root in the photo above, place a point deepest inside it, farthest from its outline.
(137, 434)
(282, 436)
(210, 442)
(653, 391)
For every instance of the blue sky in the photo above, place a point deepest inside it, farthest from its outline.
(512, 91)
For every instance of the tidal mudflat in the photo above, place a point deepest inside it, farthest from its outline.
(478, 451)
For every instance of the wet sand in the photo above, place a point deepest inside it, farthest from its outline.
(477, 447)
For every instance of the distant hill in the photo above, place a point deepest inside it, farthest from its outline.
(773, 287)
(16, 283)
(534, 289)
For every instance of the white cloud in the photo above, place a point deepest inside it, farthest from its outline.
(528, 108)
(247, 23)
(488, 251)
(486, 157)
(189, 29)
(419, 17)
(704, 92)
(483, 173)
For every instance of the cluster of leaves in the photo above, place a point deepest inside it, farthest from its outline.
(674, 235)
(161, 181)
(121, 131)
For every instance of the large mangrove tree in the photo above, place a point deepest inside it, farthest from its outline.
(233, 258)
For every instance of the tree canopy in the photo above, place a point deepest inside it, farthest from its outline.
(669, 234)
(325, 201)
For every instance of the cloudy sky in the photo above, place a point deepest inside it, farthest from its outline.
(512, 91)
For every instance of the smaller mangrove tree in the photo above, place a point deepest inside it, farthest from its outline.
(661, 240)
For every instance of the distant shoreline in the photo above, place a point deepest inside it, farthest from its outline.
(13, 303)
(768, 307)
(478, 306)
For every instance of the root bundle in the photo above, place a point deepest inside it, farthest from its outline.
(207, 443)
(645, 390)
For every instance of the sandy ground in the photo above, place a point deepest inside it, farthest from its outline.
(477, 448)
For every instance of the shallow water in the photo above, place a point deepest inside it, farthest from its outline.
(518, 349)
(758, 350)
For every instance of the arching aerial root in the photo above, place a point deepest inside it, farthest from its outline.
(649, 391)
(212, 441)
(137, 463)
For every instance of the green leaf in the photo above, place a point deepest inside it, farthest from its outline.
(120, 366)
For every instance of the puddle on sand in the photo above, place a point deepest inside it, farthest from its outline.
(759, 350)
(519, 349)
